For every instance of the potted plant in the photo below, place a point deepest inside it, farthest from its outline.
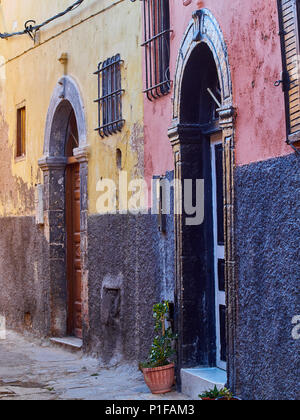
(159, 370)
(211, 395)
(216, 394)
(227, 395)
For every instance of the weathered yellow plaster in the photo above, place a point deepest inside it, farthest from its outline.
(28, 74)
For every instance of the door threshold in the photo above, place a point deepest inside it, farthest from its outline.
(73, 344)
(197, 381)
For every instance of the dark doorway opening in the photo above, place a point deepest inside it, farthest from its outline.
(201, 299)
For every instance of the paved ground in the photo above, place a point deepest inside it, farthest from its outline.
(35, 370)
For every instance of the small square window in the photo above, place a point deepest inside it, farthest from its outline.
(21, 132)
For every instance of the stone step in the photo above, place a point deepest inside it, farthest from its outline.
(197, 381)
(68, 343)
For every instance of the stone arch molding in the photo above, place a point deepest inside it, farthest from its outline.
(66, 90)
(204, 28)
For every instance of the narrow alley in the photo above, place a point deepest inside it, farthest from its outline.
(149, 201)
(36, 370)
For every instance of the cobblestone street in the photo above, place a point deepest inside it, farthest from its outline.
(35, 370)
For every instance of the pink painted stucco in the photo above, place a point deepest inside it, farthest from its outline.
(250, 29)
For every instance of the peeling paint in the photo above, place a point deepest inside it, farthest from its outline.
(40, 66)
(16, 196)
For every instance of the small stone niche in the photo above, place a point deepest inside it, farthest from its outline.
(111, 305)
(28, 320)
(119, 159)
(111, 300)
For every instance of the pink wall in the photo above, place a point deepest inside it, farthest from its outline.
(250, 29)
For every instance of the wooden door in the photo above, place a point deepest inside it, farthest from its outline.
(74, 272)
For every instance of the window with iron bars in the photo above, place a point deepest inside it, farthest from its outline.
(110, 92)
(157, 47)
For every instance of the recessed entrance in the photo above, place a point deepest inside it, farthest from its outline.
(65, 168)
(203, 246)
(202, 138)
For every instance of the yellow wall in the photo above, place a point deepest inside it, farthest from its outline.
(97, 30)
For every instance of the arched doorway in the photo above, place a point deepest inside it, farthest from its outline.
(200, 101)
(65, 165)
(203, 145)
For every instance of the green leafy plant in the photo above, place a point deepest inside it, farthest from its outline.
(215, 393)
(226, 394)
(162, 348)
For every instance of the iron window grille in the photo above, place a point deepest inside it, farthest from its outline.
(289, 21)
(110, 92)
(157, 47)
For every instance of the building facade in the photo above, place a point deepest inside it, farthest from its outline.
(53, 80)
(235, 287)
(105, 107)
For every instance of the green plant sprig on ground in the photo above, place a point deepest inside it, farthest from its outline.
(162, 348)
(215, 393)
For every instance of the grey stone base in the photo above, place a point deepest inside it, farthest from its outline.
(24, 275)
(267, 234)
(131, 267)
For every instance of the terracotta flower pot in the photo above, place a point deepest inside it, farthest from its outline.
(160, 380)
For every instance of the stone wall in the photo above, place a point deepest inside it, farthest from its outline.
(24, 275)
(131, 267)
(267, 234)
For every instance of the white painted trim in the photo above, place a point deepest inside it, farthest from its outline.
(219, 253)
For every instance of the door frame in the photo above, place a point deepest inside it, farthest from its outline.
(219, 251)
(66, 96)
(204, 28)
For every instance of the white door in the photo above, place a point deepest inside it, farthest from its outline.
(219, 247)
